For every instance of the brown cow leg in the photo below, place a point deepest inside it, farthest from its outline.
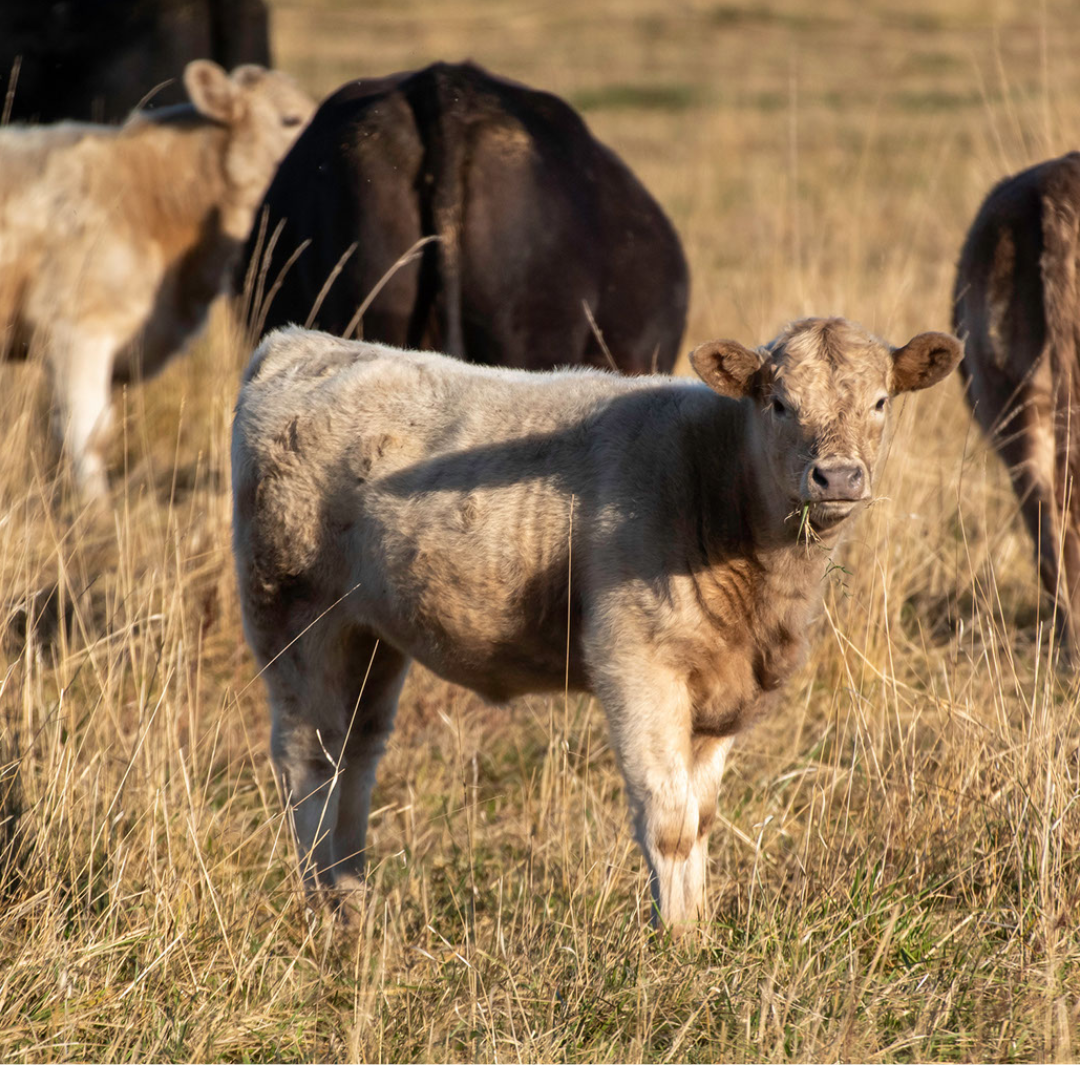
(1067, 520)
(1034, 487)
(1069, 608)
(1020, 423)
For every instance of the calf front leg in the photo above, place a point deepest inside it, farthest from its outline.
(671, 781)
(81, 364)
(709, 756)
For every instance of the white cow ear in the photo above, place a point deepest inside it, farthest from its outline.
(210, 90)
(923, 361)
(730, 369)
(248, 75)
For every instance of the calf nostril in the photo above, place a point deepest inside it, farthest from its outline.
(839, 481)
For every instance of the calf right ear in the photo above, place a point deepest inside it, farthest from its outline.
(731, 369)
(211, 91)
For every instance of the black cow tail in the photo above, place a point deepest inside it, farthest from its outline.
(447, 153)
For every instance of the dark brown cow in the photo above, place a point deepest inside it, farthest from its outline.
(98, 59)
(1017, 304)
(536, 221)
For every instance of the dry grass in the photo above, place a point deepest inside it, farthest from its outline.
(895, 872)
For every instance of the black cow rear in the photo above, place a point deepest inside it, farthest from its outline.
(536, 221)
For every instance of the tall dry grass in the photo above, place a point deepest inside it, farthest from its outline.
(894, 874)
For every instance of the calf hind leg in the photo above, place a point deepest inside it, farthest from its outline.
(329, 732)
(307, 774)
(381, 672)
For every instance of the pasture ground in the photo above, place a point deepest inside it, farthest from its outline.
(895, 870)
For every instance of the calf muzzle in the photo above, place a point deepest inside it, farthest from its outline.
(836, 481)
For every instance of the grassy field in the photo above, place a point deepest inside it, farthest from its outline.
(895, 869)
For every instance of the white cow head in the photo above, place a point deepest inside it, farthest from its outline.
(264, 112)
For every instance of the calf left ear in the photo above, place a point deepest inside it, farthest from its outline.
(729, 368)
(923, 361)
(211, 90)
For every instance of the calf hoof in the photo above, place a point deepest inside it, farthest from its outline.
(347, 897)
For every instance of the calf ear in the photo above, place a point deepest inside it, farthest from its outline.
(248, 75)
(923, 361)
(729, 368)
(210, 90)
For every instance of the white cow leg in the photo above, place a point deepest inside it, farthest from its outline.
(82, 365)
(650, 728)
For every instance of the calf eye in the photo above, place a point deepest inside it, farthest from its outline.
(778, 407)
(291, 121)
(879, 405)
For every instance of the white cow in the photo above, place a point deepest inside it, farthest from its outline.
(393, 505)
(114, 240)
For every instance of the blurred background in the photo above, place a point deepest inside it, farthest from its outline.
(823, 157)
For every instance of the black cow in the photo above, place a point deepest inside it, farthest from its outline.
(97, 59)
(539, 227)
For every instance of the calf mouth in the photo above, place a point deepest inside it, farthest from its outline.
(825, 512)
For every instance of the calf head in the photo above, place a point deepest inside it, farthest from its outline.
(823, 389)
(264, 112)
